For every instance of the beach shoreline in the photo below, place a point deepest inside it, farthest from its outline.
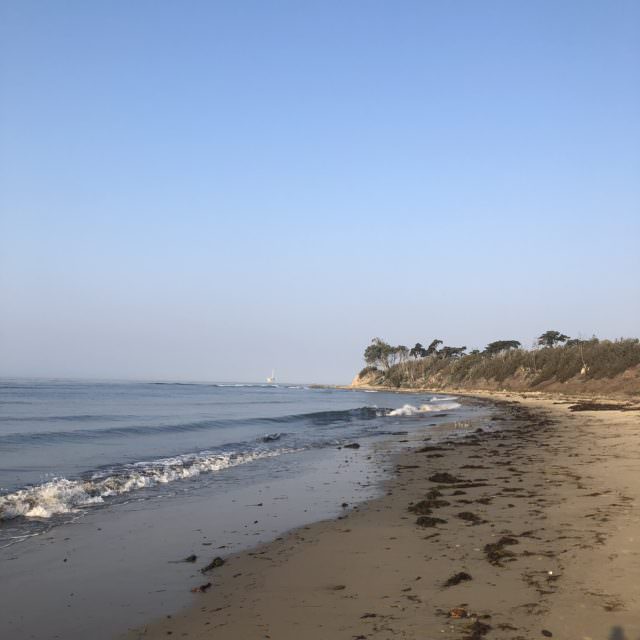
(536, 528)
(282, 458)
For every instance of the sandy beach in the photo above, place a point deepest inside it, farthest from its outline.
(320, 320)
(527, 529)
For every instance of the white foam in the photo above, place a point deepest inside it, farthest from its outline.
(410, 410)
(61, 495)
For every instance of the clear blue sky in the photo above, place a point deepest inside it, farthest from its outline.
(207, 190)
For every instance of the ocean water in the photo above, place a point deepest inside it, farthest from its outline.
(103, 486)
(70, 447)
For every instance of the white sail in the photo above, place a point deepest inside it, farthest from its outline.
(272, 378)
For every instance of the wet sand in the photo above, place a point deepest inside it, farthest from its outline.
(533, 533)
(118, 567)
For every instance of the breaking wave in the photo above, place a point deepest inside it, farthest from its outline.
(61, 495)
(410, 410)
(282, 434)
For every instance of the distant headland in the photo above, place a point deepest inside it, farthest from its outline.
(556, 363)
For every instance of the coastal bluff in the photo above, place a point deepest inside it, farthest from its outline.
(594, 367)
(626, 384)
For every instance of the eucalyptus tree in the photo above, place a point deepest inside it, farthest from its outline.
(433, 347)
(499, 346)
(552, 338)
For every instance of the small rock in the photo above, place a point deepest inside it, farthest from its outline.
(353, 445)
(214, 564)
(546, 633)
(202, 588)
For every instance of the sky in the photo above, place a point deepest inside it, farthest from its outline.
(205, 190)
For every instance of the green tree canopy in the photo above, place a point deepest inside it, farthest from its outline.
(380, 353)
(418, 351)
(433, 347)
(551, 338)
(452, 352)
(501, 345)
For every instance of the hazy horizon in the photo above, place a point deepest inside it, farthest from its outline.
(359, 363)
(208, 191)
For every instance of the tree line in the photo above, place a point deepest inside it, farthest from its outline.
(381, 354)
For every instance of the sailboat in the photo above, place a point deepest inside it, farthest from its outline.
(272, 378)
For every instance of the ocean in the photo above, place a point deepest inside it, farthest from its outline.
(130, 474)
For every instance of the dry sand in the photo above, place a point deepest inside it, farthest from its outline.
(549, 544)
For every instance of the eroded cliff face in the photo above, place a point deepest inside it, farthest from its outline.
(627, 383)
(368, 380)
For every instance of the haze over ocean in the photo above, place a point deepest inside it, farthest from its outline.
(208, 190)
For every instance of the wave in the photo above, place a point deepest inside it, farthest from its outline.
(61, 495)
(69, 418)
(323, 418)
(317, 418)
(410, 410)
(77, 435)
